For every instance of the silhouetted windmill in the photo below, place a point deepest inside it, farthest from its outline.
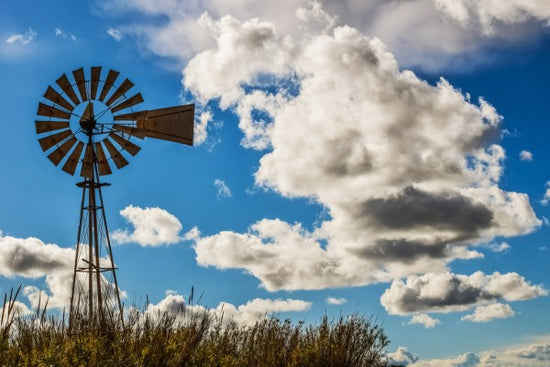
(91, 124)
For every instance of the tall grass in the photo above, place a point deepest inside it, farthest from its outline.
(200, 340)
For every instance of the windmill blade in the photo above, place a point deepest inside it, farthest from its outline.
(70, 165)
(132, 101)
(104, 168)
(88, 112)
(133, 116)
(172, 123)
(80, 83)
(96, 73)
(51, 140)
(111, 78)
(124, 87)
(58, 99)
(57, 155)
(87, 169)
(50, 111)
(118, 158)
(130, 130)
(45, 126)
(64, 84)
(125, 143)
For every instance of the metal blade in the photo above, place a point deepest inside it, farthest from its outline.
(51, 140)
(130, 130)
(104, 168)
(57, 155)
(50, 111)
(45, 126)
(80, 83)
(87, 169)
(172, 123)
(96, 74)
(88, 112)
(118, 158)
(72, 161)
(111, 77)
(58, 99)
(132, 101)
(64, 84)
(124, 87)
(133, 116)
(125, 143)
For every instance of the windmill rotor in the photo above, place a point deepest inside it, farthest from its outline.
(94, 111)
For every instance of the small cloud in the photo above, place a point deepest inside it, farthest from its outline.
(546, 199)
(424, 319)
(498, 247)
(152, 227)
(62, 34)
(192, 234)
(485, 313)
(402, 357)
(543, 248)
(526, 155)
(335, 301)
(22, 38)
(223, 189)
(115, 34)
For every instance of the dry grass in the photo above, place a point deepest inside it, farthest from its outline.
(202, 340)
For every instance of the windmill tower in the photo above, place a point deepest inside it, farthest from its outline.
(87, 124)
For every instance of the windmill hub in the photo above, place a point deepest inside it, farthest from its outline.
(88, 125)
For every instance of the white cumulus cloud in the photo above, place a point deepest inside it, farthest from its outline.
(424, 319)
(526, 155)
(447, 292)
(152, 227)
(485, 313)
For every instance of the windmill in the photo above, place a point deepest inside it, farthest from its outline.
(87, 125)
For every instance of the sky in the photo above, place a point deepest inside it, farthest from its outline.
(381, 158)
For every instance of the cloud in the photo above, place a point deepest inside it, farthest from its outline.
(32, 258)
(22, 38)
(335, 301)
(485, 313)
(116, 34)
(246, 314)
(428, 34)
(526, 155)
(406, 169)
(62, 34)
(424, 319)
(152, 227)
(447, 292)
(498, 247)
(401, 357)
(536, 354)
(223, 189)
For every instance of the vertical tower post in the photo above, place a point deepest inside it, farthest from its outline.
(94, 293)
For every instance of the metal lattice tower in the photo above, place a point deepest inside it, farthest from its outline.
(91, 123)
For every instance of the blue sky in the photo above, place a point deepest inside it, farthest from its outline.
(383, 158)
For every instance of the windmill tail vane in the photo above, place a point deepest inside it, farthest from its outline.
(89, 121)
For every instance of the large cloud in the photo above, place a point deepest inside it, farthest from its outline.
(448, 292)
(425, 33)
(404, 168)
